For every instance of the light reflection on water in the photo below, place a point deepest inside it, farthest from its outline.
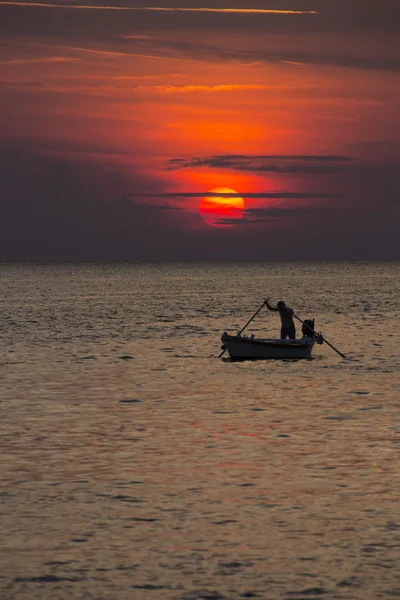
(137, 465)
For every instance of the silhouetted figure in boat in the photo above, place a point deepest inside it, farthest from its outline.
(288, 329)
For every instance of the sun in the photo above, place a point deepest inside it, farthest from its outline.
(221, 211)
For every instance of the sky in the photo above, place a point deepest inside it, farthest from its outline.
(119, 120)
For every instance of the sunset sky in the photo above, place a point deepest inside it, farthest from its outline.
(118, 119)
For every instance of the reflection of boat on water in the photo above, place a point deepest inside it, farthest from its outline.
(241, 347)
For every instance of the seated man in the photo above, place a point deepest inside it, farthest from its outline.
(288, 329)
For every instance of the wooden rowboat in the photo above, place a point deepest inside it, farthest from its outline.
(241, 347)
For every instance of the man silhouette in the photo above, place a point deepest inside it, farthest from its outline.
(286, 314)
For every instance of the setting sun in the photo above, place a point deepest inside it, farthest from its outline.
(221, 211)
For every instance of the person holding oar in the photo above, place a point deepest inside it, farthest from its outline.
(286, 314)
(242, 348)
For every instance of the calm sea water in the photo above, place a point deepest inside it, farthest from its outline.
(136, 465)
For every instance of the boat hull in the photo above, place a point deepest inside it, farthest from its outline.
(245, 348)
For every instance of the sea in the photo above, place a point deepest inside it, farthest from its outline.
(136, 464)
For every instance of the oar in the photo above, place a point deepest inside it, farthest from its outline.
(248, 323)
(324, 339)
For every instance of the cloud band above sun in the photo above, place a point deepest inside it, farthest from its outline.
(253, 195)
(279, 163)
(250, 11)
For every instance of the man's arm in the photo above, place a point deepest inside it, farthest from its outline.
(267, 304)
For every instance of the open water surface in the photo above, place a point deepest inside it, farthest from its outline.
(136, 465)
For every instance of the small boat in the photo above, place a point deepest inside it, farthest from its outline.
(241, 347)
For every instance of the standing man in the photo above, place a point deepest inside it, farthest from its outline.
(288, 329)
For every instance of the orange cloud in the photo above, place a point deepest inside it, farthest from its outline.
(39, 60)
(174, 89)
(162, 8)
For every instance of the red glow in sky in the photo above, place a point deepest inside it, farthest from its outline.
(146, 101)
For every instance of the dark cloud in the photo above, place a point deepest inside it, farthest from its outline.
(254, 195)
(277, 212)
(368, 31)
(252, 216)
(157, 207)
(385, 164)
(307, 164)
(273, 50)
(332, 15)
(227, 158)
